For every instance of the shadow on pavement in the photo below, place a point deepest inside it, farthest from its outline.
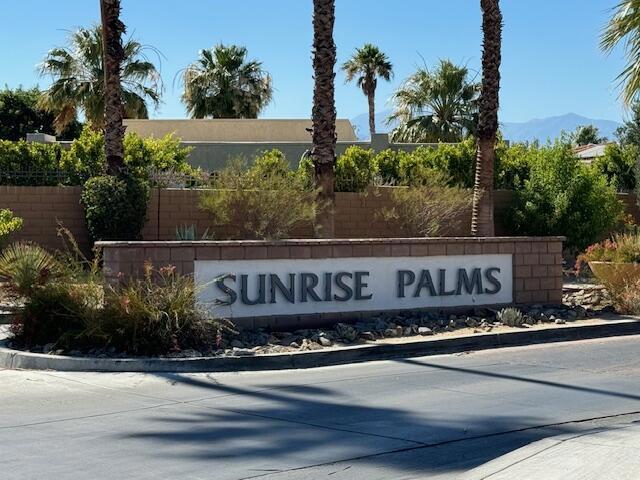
(288, 427)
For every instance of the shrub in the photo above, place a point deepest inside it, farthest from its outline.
(564, 197)
(626, 297)
(457, 161)
(85, 157)
(430, 209)
(513, 166)
(387, 162)
(23, 163)
(115, 208)
(512, 317)
(154, 315)
(142, 155)
(618, 165)
(8, 224)
(270, 162)
(355, 170)
(258, 206)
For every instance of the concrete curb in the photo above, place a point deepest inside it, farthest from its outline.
(16, 359)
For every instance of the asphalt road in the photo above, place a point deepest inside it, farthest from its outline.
(549, 411)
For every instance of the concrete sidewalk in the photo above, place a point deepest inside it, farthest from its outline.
(607, 452)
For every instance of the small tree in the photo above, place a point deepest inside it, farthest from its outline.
(587, 135)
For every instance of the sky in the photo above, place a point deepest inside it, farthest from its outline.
(551, 64)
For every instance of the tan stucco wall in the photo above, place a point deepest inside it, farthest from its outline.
(235, 130)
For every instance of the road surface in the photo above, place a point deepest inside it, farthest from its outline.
(548, 411)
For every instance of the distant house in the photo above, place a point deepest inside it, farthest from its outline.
(588, 153)
(236, 130)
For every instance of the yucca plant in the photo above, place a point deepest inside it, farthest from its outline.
(25, 266)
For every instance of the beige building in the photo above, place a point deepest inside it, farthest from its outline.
(235, 130)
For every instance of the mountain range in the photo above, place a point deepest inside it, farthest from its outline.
(542, 129)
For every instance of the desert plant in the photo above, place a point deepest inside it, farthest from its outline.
(115, 208)
(9, 223)
(258, 206)
(154, 315)
(511, 317)
(430, 209)
(25, 266)
(189, 233)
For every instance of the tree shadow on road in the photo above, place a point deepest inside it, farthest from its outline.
(291, 426)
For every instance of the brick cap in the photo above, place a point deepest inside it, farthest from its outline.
(336, 241)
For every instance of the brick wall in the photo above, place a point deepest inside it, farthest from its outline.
(42, 208)
(537, 261)
(357, 215)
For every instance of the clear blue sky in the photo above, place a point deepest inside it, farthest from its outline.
(551, 61)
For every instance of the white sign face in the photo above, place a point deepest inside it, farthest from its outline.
(257, 288)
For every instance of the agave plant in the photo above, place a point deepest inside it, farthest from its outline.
(25, 266)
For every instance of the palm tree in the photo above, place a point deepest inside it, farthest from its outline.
(223, 84)
(368, 63)
(482, 216)
(324, 113)
(79, 78)
(435, 106)
(624, 27)
(113, 57)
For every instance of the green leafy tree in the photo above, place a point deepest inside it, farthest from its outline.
(223, 84)
(563, 196)
(20, 114)
(587, 135)
(629, 132)
(78, 79)
(624, 28)
(618, 165)
(436, 106)
(368, 64)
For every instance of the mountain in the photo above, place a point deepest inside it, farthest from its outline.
(551, 127)
(361, 124)
(538, 128)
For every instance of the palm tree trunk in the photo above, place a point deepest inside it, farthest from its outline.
(482, 219)
(324, 114)
(113, 56)
(372, 113)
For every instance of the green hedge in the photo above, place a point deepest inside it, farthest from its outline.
(23, 163)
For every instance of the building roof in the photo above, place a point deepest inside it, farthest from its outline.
(235, 130)
(590, 151)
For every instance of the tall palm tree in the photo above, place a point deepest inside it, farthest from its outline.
(368, 63)
(437, 105)
(223, 84)
(624, 27)
(324, 113)
(482, 216)
(113, 57)
(79, 78)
